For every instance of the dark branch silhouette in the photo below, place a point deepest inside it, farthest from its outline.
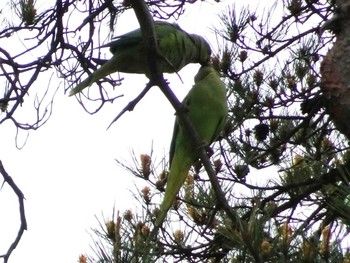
(23, 225)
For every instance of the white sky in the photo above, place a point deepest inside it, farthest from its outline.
(67, 170)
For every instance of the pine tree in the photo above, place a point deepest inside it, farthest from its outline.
(282, 161)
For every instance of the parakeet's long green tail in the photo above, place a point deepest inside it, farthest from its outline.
(82, 85)
(101, 72)
(180, 167)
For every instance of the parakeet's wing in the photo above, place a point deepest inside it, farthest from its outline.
(163, 29)
(211, 79)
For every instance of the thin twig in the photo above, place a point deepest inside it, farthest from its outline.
(23, 226)
(131, 105)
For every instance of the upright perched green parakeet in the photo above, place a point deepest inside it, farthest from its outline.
(207, 109)
(129, 56)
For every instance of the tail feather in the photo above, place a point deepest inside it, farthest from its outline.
(177, 176)
(107, 68)
(82, 85)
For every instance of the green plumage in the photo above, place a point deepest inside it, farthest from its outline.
(129, 56)
(207, 109)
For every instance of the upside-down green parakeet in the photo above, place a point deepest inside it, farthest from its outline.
(206, 106)
(129, 56)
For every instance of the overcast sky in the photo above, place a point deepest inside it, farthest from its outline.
(67, 169)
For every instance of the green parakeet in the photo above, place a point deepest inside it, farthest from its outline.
(207, 109)
(178, 47)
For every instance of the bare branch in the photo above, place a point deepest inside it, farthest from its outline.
(131, 105)
(23, 226)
